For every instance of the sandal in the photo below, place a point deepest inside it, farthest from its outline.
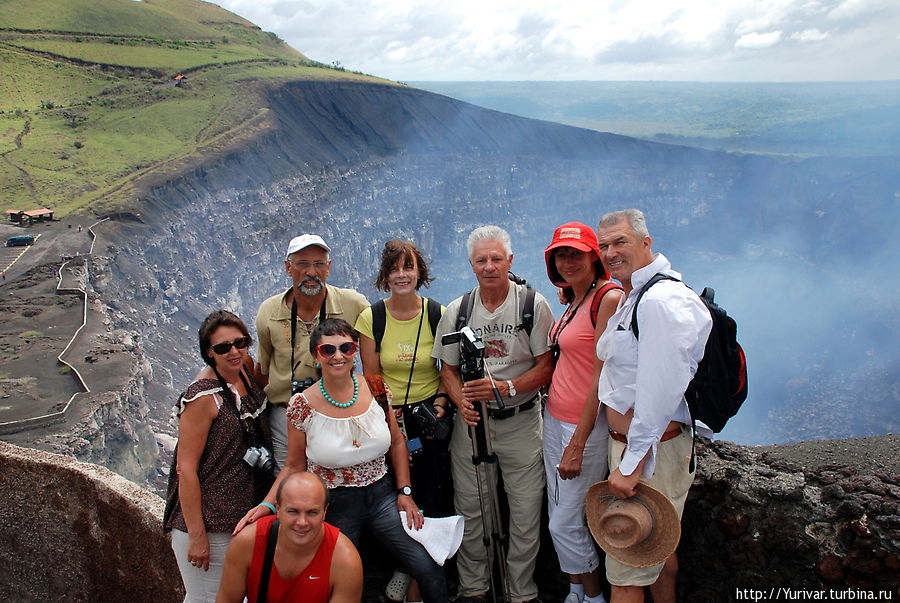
(396, 586)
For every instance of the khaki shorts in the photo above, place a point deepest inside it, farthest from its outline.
(673, 479)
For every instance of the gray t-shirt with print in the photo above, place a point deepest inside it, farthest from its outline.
(508, 351)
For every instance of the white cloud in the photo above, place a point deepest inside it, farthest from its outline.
(809, 35)
(759, 40)
(850, 9)
(600, 39)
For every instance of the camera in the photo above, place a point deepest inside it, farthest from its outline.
(429, 423)
(301, 386)
(471, 352)
(259, 457)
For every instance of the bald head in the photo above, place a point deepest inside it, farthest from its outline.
(302, 483)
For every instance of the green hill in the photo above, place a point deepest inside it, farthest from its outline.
(90, 115)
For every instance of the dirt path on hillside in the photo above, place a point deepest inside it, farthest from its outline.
(39, 321)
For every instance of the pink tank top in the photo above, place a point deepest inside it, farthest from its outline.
(574, 370)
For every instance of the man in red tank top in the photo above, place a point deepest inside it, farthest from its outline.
(309, 557)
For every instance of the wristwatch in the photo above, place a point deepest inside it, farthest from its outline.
(405, 491)
(512, 388)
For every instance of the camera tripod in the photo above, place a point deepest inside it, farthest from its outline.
(484, 459)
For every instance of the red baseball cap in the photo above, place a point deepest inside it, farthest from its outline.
(576, 235)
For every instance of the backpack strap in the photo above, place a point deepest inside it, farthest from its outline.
(653, 280)
(634, 327)
(271, 541)
(379, 319)
(598, 297)
(434, 313)
(526, 311)
(465, 310)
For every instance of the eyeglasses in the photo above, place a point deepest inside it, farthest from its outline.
(240, 343)
(304, 265)
(348, 348)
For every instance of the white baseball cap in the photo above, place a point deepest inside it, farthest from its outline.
(304, 241)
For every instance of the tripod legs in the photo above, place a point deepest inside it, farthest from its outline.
(517, 443)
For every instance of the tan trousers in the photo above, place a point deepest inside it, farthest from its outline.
(517, 444)
(673, 479)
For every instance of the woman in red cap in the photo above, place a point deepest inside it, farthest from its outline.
(574, 435)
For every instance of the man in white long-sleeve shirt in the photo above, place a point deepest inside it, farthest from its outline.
(642, 386)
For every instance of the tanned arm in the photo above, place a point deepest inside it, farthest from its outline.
(371, 363)
(193, 429)
(534, 378)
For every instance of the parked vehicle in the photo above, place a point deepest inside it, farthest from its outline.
(20, 240)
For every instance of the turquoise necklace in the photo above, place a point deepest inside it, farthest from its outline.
(341, 404)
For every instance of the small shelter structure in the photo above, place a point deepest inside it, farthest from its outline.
(30, 217)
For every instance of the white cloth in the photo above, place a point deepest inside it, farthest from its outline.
(441, 536)
(201, 586)
(651, 374)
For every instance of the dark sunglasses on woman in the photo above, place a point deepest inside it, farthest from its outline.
(225, 347)
(348, 348)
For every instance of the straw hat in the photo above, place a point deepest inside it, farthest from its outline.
(640, 531)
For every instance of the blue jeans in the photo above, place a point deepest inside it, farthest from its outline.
(375, 507)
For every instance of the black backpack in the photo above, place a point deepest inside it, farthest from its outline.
(719, 386)
(526, 307)
(379, 319)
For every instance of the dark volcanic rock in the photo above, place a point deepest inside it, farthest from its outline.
(753, 520)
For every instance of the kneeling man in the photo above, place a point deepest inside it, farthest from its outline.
(310, 555)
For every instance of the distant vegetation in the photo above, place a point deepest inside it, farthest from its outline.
(847, 119)
(89, 111)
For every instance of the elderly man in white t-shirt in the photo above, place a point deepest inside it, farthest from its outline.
(520, 364)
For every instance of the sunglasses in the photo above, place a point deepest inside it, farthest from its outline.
(240, 343)
(348, 348)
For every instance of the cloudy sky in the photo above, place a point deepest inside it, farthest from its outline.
(693, 40)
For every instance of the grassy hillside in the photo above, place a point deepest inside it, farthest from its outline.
(90, 115)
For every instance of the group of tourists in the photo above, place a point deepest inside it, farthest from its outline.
(452, 404)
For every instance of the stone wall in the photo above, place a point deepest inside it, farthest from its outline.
(77, 532)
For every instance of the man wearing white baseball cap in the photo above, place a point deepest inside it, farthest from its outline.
(285, 321)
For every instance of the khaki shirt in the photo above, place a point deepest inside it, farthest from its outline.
(273, 328)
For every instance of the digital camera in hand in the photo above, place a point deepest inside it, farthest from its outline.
(429, 423)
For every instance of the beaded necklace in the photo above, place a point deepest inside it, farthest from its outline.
(341, 404)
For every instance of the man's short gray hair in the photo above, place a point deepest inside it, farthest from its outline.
(489, 233)
(635, 218)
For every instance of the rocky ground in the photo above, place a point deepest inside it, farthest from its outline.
(868, 455)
